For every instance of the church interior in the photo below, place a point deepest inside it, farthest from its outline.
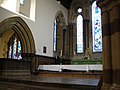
(59, 44)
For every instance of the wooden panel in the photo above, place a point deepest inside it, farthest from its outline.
(14, 67)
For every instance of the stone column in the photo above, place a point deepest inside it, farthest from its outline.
(86, 34)
(115, 43)
(64, 40)
(86, 28)
(71, 27)
(67, 41)
(106, 52)
(113, 7)
(59, 40)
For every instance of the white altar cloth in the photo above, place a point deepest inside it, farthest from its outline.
(87, 68)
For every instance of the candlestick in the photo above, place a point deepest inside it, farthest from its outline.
(74, 53)
(61, 53)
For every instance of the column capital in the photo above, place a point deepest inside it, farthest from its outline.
(71, 24)
(105, 3)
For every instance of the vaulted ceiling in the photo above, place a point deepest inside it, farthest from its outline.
(66, 3)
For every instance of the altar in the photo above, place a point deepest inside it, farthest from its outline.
(59, 68)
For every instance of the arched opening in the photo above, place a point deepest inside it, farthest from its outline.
(16, 25)
(59, 37)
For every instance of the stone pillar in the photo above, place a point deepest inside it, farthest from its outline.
(59, 40)
(86, 29)
(67, 41)
(106, 53)
(86, 34)
(71, 27)
(64, 40)
(115, 43)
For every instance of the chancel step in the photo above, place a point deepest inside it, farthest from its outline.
(47, 83)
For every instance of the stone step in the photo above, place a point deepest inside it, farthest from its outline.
(47, 83)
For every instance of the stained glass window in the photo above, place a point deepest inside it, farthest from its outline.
(79, 32)
(10, 51)
(14, 49)
(55, 35)
(96, 28)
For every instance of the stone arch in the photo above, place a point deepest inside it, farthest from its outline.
(73, 10)
(60, 34)
(19, 26)
(60, 15)
(84, 4)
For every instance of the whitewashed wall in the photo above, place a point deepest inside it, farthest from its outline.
(42, 27)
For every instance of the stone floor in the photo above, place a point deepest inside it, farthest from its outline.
(54, 83)
(59, 80)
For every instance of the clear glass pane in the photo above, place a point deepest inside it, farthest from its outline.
(79, 34)
(79, 10)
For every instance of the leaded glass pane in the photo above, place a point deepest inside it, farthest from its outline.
(96, 27)
(14, 48)
(10, 51)
(79, 34)
(19, 50)
(55, 36)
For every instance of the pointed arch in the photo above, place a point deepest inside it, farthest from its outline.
(59, 34)
(19, 26)
(60, 15)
